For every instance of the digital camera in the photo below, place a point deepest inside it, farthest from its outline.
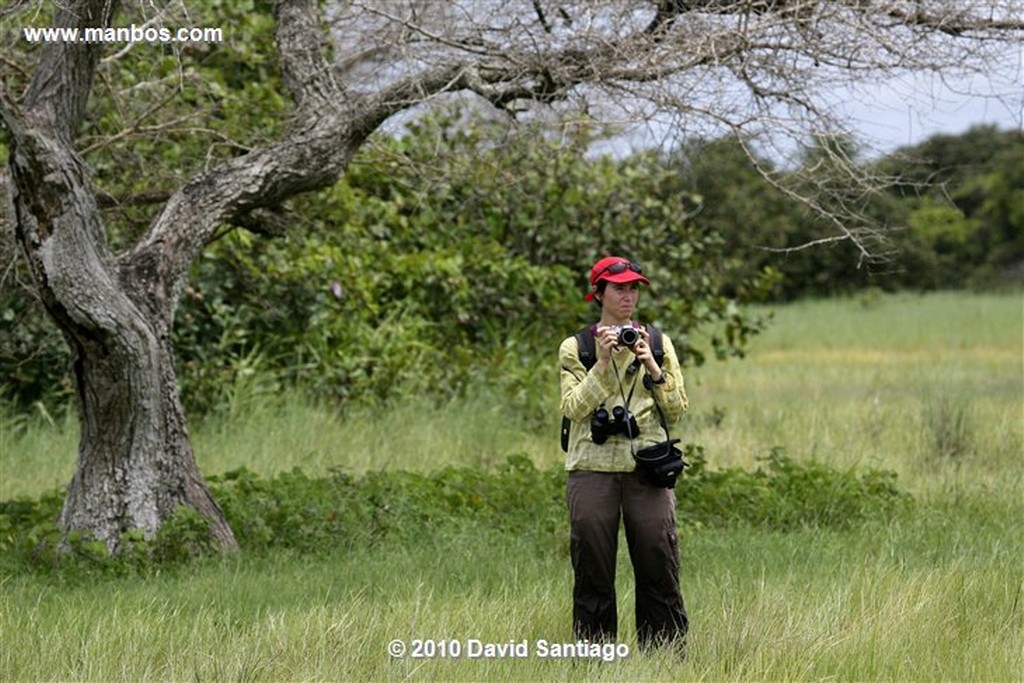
(603, 425)
(627, 335)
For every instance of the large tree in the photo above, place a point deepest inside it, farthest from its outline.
(752, 67)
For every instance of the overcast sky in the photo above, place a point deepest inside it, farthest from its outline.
(897, 113)
(910, 110)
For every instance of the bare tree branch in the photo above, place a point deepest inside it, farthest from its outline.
(301, 47)
(105, 200)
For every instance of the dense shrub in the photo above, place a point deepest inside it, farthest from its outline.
(785, 495)
(296, 512)
(438, 257)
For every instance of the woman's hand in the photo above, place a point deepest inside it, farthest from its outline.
(642, 350)
(606, 339)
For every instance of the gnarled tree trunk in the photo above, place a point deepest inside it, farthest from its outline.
(135, 461)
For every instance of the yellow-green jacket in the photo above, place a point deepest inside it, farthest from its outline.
(584, 391)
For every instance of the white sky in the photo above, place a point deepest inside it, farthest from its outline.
(910, 110)
(895, 113)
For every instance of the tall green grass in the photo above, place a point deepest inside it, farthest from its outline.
(931, 387)
(875, 604)
(271, 434)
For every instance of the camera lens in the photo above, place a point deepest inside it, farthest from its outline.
(628, 336)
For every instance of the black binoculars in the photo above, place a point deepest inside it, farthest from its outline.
(603, 425)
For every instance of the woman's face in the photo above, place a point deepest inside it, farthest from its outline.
(619, 300)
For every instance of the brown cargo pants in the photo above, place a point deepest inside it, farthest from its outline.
(596, 502)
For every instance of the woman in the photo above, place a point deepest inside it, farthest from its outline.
(603, 486)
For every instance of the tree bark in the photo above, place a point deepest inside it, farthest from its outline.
(135, 461)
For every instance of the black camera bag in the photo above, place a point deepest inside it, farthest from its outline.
(660, 463)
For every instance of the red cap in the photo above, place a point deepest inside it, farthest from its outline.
(615, 269)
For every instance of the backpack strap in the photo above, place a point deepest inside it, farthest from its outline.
(657, 345)
(587, 353)
(585, 348)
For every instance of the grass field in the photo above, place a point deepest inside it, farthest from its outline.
(931, 387)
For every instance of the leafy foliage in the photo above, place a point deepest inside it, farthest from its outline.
(34, 359)
(952, 220)
(160, 115)
(441, 261)
(785, 495)
(316, 515)
(157, 116)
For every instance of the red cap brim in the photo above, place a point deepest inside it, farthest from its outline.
(619, 279)
(624, 277)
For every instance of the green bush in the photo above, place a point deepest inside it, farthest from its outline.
(320, 515)
(785, 495)
(439, 251)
